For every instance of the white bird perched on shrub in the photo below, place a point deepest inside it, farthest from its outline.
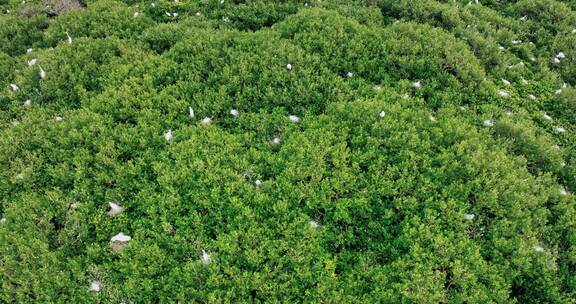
(432, 118)
(560, 129)
(294, 118)
(14, 87)
(276, 140)
(563, 191)
(505, 82)
(94, 286)
(556, 60)
(206, 121)
(538, 249)
(206, 259)
(27, 103)
(28, 51)
(488, 123)
(168, 135)
(257, 183)
(524, 81)
(382, 114)
(3, 220)
(313, 224)
(191, 112)
(469, 216)
(289, 67)
(532, 97)
(115, 209)
(119, 241)
(504, 94)
(58, 118)
(69, 38)
(560, 55)
(234, 112)
(516, 42)
(417, 84)
(136, 14)
(121, 237)
(546, 116)
(42, 73)
(32, 62)
(349, 74)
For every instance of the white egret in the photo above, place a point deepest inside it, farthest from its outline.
(115, 209)
(417, 84)
(469, 216)
(205, 257)
(382, 114)
(27, 103)
(191, 112)
(294, 118)
(532, 97)
(488, 123)
(69, 38)
(504, 94)
(168, 135)
(505, 82)
(234, 112)
(559, 129)
(42, 73)
(313, 224)
(206, 121)
(58, 118)
(14, 87)
(32, 62)
(547, 117)
(538, 249)
(94, 286)
(289, 67)
(119, 241)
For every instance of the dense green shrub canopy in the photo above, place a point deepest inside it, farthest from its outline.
(366, 151)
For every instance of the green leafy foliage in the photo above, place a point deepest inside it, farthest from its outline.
(367, 151)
